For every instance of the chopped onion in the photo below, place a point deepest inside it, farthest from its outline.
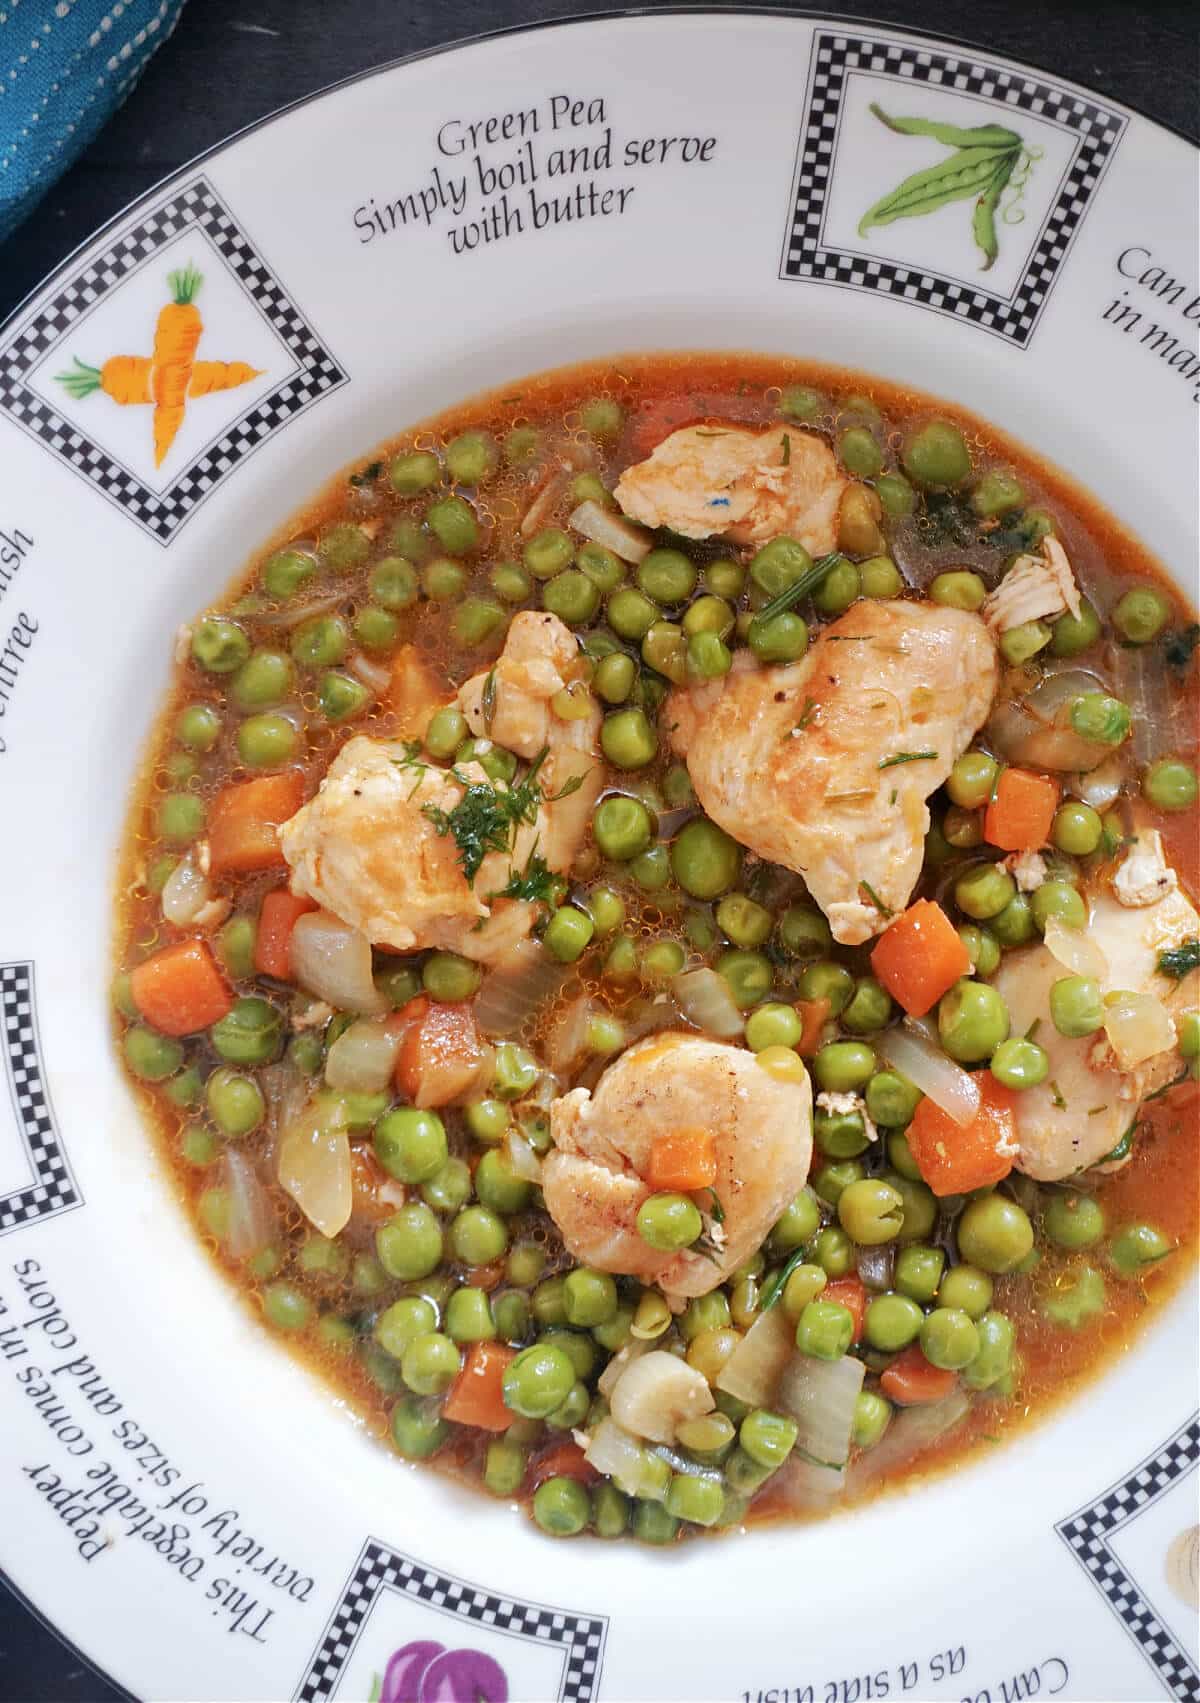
(543, 504)
(617, 534)
(803, 1487)
(914, 1053)
(314, 1167)
(186, 892)
(523, 1159)
(632, 1350)
(1103, 785)
(1160, 716)
(753, 1370)
(613, 1451)
(568, 1039)
(875, 1266)
(363, 1057)
(1074, 950)
(1138, 1027)
(251, 1222)
(372, 674)
(511, 994)
(333, 961)
(820, 1395)
(705, 1000)
(656, 1392)
(293, 613)
(911, 1430)
(1035, 730)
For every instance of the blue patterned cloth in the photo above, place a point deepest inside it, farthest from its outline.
(65, 67)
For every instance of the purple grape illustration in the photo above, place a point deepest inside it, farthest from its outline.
(425, 1672)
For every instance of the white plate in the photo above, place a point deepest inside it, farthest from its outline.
(185, 1503)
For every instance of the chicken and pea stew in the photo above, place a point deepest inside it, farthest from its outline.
(658, 940)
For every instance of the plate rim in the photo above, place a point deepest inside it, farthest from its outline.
(602, 14)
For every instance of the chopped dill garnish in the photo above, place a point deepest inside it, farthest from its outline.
(807, 714)
(487, 701)
(1057, 1096)
(1179, 961)
(718, 1211)
(1033, 1029)
(487, 817)
(536, 882)
(787, 450)
(907, 757)
(1178, 647)
(1095, 1111)
(367, 475)
(866, 888)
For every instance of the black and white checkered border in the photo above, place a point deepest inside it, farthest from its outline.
(195, 206)
(54, 1188)
(381, 1568)
(1087, 1532)
(806, 257)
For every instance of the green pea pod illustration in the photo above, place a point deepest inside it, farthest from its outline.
(978, 169)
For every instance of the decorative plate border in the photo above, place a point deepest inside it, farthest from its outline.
(54, 1188)
(1086, 1534)
(806, 256)
(161, 514)
(381, 1568)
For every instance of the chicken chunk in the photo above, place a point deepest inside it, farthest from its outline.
(365, 849)
(594, 1179)
(745, 485)
(1086, 1104)
(511, 704)
(1035, 588)
(824, 765)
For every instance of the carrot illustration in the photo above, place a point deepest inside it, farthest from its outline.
(168, 377)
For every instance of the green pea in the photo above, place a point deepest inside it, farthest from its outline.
(773, 1025)
(1020, 1063)
(235, 1102)
(1136, 1246)
(860, 453)
(476, 619)
(958, 589)
(447, 977)
(1076, 829)
(251, 1032)
(181, 767)
(376, 629)
(800, 402)
(1076, 1006)
(936, 454)
(708, 657)
(972, 779)
(984, 891)
(743, 921)
(621, 963)
(614, 677)
(286, 571)
(568, 933)
(997, 492)
(842, 1066)
(603, 418)
(842, 1135)
(829, 981)
(410, 539)
(235, 945)
(561, 1506)
(665, 650)
(918, 1272)
(606, 909)
(705, 861)
(966, 1289)
(443, 579)
(838, 590)
(286, 1307)
(198, 727)
(653, 1524)
(662, 960)
(724, 579)
(962, 828)
(151, 1056)
(668, 576)
(198, 1145)
(767, 1437)
(623, 826)
(572, 596)
(343, 546)
(832, 1181)
(972, 1021)
(589, 1298)
(892, 1322)
(453, 523)
(401, 1323)
(487, 1120)
(504, 1465)
(891, 1098)
(320, 642)
(871, 1211)
(510, 582)
(631, 614)
(512, 1317)
(803, 932)
(949, 1339)
(477, 1236)
(537, 1380)
(1141, 614)
(341, 697)
(803, 1285)
(869, 1008)
(394, 583)
(181, 817)
(872, 1416)
(268, 741)
(896, 495)
(798, 1224)
(1073, 1220)
(994, 1233)
(628, 740)
(186, 1088)
(669, 1221)
(1080, 1299)
(411, 1144)
(879, 576)
(779, 565)
(1058, 899)
(833, 1251)
(1100, 718)
(498, 1186)
(994, 1355)
(446, 731)
(219, 645)
(784, 638)
(748, 975)
(472, 458)
(1019, 644)
(983, 948)
(920, 1207)
(409, 1243)
(1072, 634)
(709, 615)
(430, 1363)
(1015, 925)
(414, 472)
(900, 1156)
(417, 1431)
(264, 679)
(825, 1330)
(1170, 784)
(515, 1073)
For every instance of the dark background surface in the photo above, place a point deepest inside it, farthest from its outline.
(232, 61)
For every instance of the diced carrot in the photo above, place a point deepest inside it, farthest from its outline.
(813, 1014)
(919, 957)
(682, 1159)
(273, 940)
(414, 693)
(1019, 815)
(848, 1292)
(954, 1158)
(564, 1460)
(244, 822)
(442, 1057)
(911, 1381)
(477, 1395)
(180, 989)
